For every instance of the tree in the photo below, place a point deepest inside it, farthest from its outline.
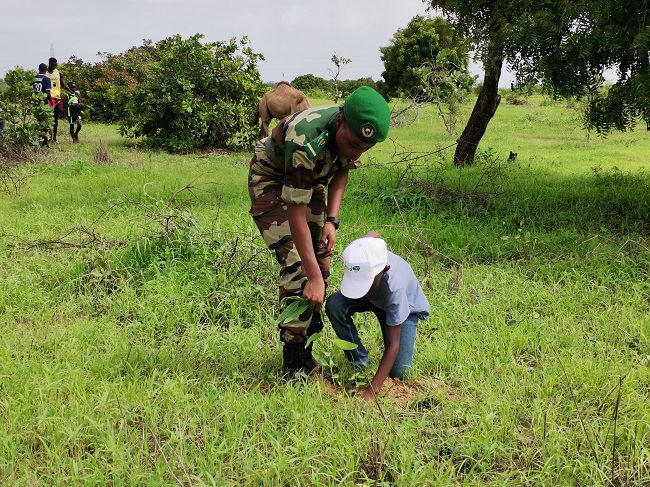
(195, 95)
(485, 22)
(347, 86)
(440, 86)
(567, 45)
(339, 63)
(430, 43)
(308, 83)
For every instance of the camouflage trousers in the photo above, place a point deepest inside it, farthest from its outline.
(270, 214)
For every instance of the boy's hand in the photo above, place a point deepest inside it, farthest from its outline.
(367, 395)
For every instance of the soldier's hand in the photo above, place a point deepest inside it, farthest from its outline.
(315, 293)
(327, 243)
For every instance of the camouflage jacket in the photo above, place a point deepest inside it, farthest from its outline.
(309, 157)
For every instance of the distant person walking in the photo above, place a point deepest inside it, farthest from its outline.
(42, 84)
(57, 83)
(74, 112)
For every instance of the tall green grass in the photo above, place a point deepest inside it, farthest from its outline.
(137, 306)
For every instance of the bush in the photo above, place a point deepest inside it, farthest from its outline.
(196, 95)
(348, 86)
(310, 84)
(24, 114)
(107, 86)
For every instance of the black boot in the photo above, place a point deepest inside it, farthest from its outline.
(296, 360)
(307, 363)
(316, 325)
(291, 359)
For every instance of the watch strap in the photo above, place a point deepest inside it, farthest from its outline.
(334, 221)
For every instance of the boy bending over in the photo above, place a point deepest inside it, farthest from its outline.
(378, 281)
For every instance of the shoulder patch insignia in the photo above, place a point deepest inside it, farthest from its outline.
(315, 146)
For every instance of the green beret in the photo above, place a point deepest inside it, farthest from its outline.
(367, 114)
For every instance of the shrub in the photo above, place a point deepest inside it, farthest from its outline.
(23, 112)
(308, 83)
(107, 86)
(195, 95)
(348, 86)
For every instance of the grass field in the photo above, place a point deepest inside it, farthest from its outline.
(137, 306)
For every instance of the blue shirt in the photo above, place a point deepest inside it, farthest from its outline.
(41, 83)
(399, 293)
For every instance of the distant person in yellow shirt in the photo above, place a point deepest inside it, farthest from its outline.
(55, 91)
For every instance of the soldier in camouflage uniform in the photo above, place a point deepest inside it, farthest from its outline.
(306, 153)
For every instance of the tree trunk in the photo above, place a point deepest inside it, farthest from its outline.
(484, 109)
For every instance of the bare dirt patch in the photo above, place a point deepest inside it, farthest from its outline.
(404, 394)
(418, 394)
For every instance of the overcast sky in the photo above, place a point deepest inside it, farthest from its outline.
(296, 38)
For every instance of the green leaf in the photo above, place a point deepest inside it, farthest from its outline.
(313, 338)
(320, 358)
(344, 345)
(291, 312)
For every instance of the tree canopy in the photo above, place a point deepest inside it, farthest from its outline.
(309, 83)
(569, 47)
(565, 45)
(429, 43)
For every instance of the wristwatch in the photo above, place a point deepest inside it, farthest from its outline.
(334, 221)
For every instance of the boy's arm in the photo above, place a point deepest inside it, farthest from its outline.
(387, 361)
(63, 85)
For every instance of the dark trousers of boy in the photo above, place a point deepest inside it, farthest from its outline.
(74, 120)
(340, 311)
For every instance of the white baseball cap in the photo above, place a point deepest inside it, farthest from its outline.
(363, 259)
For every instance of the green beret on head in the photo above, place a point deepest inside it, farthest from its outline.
(367, 114)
